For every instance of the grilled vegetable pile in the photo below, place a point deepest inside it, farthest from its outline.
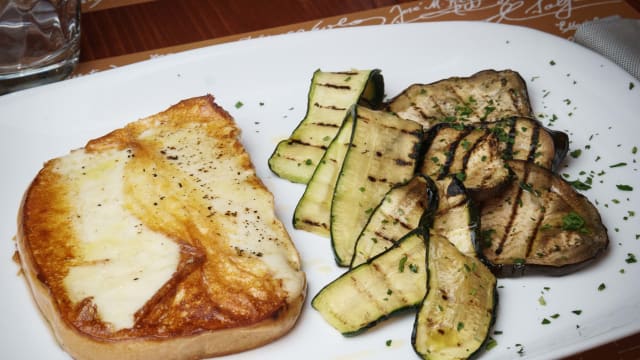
(428, 197)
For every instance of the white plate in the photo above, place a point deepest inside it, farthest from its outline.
(590, 96)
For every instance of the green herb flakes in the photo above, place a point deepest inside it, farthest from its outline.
(620, 164)
(577, 312)
(572, 221)
(239, 104)
(601, 287)
(631, 258)
(623, 187)
(575, 153)
(545, 321)
(631, 85)
(491, 343)
(542, 301)
(403, 261)
(388, 342)
(460, 326)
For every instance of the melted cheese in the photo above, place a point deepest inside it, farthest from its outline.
(228, 183)
(119, 263)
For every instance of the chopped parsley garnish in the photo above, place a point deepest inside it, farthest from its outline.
(239, 104)
(572, 221)
(491, 343)
(542, 301)
(388, 342)
(577, 312)
(631, 85)
(620, 164)
(576, 153)
(545, 321)
(601, 287)
(460, 326)
(624, 187)
(403, 261)
(631, 258)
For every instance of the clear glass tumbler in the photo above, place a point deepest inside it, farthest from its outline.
(39, 42)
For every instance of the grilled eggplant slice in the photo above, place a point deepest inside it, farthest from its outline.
(523, 138)
(331, 94)
(399, 212)
(372, 291)
(313, 210)
(486, 96)
(457, 219)
(458, 311)
(476, 153)
(471, 154)
(382, 153)
(539, 224)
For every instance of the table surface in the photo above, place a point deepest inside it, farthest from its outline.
(119, 32)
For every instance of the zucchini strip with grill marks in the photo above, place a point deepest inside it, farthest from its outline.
(372, 291)
(485, 96)
(313, 210)
(399, 212)
(331, 94)
(539, 224)
(382, 153)
(457, 313)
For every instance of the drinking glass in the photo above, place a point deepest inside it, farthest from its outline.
(39, 42)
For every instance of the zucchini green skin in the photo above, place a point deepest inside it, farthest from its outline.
(313, 210)
(525, 229)
(400, 211)
(383, 152)
(456, 315)
(386, 284)
(331, 94)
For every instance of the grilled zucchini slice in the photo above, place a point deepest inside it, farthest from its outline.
(486, 96)
(331, 94)
(313, 210)
(458, 311)
(539, 224)
(399, 212)
(383, 152)
(372, 291)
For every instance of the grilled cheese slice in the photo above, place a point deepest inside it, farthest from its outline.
(159, 238)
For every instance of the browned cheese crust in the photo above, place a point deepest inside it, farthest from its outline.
(219, 300)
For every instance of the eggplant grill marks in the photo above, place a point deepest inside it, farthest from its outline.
(486, 96)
